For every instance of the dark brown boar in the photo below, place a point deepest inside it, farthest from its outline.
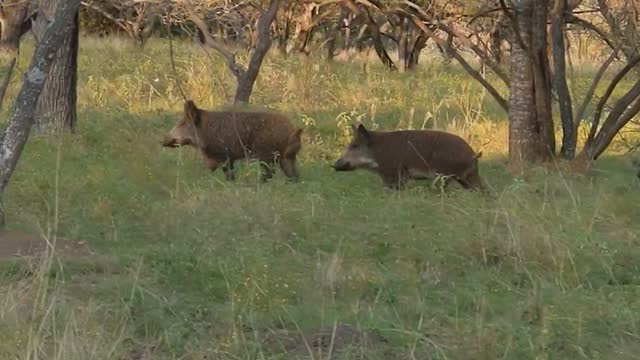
(226, 136)
(412, 154)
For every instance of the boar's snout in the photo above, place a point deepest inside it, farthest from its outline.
(342, 165)
(169, 142)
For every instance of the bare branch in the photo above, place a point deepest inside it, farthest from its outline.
(173, 67)
(8, 71)
(589, 26)
(477, 50)
(474, 73)
(229, 57)
(592, 89)
(621, 114)
(603, 100)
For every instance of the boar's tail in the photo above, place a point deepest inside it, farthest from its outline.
(477, 156)
(294, 143)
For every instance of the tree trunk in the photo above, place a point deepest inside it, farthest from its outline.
(247, 79)
(542, 76)
(414, 56)
(17, 132)
(374, 31)
(284, 29)
(569, 135)
(530, 124)
(14, 21)
(333, 33)
(403, 44)
(56, 107)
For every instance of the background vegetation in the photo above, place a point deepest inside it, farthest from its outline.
(185, 265)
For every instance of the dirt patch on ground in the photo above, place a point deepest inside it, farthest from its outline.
(323, 341)
(15, 245)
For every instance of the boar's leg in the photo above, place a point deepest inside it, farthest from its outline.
(211, 163)
(267, 171)
(395, 181)
(228, 170)
(472, 181)
(290, 169)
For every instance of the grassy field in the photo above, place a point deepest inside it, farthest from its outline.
(189, 266)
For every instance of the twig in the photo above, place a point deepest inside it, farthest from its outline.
(173, 67)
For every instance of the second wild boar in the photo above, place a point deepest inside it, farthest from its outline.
(226, 136)
(397, 156)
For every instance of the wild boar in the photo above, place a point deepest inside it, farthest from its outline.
(397, 156)
(226, 136)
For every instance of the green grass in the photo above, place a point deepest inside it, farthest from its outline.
(194, 266)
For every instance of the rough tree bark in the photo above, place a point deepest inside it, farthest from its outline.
(531, 135)
(56, 109)
(17, 132)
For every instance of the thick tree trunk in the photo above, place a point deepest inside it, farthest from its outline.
(56, 109)
(17, 132)
(530, 124)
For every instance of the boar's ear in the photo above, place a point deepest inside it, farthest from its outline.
(191, 112)
(363, 133)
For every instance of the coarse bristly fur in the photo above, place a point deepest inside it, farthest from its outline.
(418, 154)
(227, 136)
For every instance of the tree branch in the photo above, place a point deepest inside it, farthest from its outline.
(603, 100)
(569, 138)
(210, 41)
(621, 114)
(453, 52)
(572, 19)
(91, 5)
(263, 44)
(594, 84)
(477, 50)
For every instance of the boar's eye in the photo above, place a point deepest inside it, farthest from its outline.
(353, 146)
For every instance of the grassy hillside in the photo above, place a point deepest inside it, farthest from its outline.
(189, 266)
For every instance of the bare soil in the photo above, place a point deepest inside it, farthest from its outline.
(15, 245)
